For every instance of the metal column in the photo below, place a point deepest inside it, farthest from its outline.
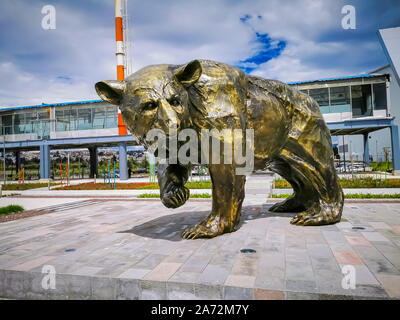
(17, 161)
(44, 161)
(394, 133)
(93, 162)
(123, 167)
(366, 149)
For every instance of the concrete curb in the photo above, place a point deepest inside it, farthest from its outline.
(28, 285)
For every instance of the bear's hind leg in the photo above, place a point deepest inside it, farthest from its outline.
(294, 203)
(317, 187)
(291, 204)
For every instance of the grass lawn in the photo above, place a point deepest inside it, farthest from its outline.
(354, 196)
(130, 186)
(10, 209)
(367, 182)
(196, 195)
(26, 186)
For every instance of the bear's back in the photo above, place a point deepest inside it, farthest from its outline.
(295, 101)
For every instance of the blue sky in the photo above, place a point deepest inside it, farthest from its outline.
(286, 40)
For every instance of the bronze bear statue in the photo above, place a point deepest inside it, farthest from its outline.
(290, 137)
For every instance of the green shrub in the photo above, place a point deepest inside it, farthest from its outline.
(372, 196)
(283, 195)
(367, 182)
(26, 186)
(10, 209)
(199, 185)
(189, 185)
(354, 196)
(156, 195)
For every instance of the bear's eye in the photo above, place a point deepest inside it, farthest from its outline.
(174, 102)
(149, 106)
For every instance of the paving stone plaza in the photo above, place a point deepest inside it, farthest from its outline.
(131, 249)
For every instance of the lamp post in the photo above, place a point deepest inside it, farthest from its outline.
(4, 159)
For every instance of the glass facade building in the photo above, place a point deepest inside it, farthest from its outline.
(26, 122)
(69, 118)
(359, 99)
(339, 100)
(38, 121)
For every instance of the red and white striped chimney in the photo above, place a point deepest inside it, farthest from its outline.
(120, 53)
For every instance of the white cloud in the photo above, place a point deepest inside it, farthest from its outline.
(22, 88)
(34, 62)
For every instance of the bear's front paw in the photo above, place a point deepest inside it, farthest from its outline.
(175, 197)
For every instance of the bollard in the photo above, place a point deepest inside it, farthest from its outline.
(1, 187)
(109, 176)
(94, 180)
(272, 188)
(114, 174)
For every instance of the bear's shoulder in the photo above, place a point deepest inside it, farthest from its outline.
(291, 98)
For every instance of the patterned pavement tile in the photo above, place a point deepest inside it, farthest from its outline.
(363, 276)
(358, 241)
(391, 284)
(374, 236)
(379, 225)
(139, 252)
(261, 294)
(376, 262)
(347, 257)
(240, 281)
(28, 265)
(163, 271)
(396, 229)
(301, 286)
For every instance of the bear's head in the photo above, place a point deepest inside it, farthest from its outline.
(154, 97)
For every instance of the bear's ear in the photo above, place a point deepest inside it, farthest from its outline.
(189, 73)
(110, 91)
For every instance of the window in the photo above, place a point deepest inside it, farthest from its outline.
(320, 95)
(43, 115)
(62, 122)
(84, 119)
(72, 115)
(111, 119)
(7, 124)
(99, 117)
(30, 120)
(361, 100)
(19, 123)
(7, 120)
(340, 96)
(42, 127)
(379, 90)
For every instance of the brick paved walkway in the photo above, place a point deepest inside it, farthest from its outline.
(132, 250)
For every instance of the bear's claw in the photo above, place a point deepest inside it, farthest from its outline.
(199, 231)
(176, 197)
(312, 218)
